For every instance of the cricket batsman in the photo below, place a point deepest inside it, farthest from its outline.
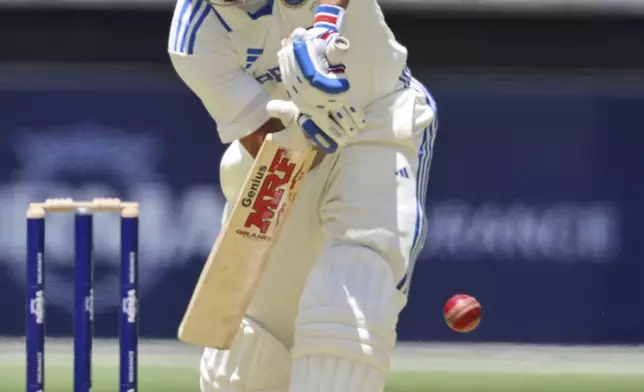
(326, 73)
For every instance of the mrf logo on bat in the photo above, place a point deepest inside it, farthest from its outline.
(265, 195)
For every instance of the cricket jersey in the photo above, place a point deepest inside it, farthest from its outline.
(228, 56)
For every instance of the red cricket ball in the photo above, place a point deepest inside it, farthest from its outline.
(462, 313)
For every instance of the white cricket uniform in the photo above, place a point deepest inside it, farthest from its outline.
(348, 248)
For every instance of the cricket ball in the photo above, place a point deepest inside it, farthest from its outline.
(462, 313)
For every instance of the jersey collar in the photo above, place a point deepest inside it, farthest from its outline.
(267, 9)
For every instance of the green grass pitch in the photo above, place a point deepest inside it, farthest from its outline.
(164, 368)
(166, 380)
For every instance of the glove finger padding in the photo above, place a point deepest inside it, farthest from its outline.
(297, 34)
(321, 132)
(314, 66)
(349, 119)
(306, 73)
(327, 130)
(285, 111)
(319, 137)
(337, 123)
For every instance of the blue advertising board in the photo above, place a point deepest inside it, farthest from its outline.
(534, 201)
(535, 208)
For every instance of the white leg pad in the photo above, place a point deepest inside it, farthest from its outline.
(330, 373)
(345, 332)
(256, 362)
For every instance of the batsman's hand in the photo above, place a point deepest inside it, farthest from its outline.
(327, 130)
(312, 68)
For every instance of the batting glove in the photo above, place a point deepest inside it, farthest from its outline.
(311, 61)
(326, 130)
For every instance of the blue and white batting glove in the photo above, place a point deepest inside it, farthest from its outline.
(326, 130)
(311, 61)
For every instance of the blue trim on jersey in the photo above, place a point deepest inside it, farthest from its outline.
(267, 9)
(422, 179)
(193, 35)
(252, 55)
(405, 77)
(221, 20)
(180, 24)
(194, 10)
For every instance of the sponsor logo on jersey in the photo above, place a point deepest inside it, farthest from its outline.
(252, 54)
(294, 3)
(272, 75)
(404, 173)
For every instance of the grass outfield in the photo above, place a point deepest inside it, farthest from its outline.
(158, 380)
(168, 367)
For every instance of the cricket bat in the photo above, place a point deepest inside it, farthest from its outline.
(238, 259)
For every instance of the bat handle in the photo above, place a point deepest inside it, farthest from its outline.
(337, 50)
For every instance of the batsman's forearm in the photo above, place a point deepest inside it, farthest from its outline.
(339, 3)
(254, 141)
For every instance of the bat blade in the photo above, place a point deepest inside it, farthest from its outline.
(235, 265)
